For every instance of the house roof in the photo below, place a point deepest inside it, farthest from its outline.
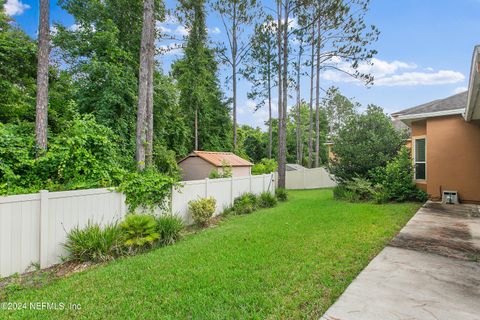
(455, 102)
(452, 105)
(218, 158)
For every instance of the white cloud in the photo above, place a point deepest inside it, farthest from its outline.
(164, 29)
(171, 49)
(260, 117)
(181, 30)
(460, 90)
(393, 73)
(214, 30)
(171, 19)
(53, 30)
(421, 78)
(15, 7)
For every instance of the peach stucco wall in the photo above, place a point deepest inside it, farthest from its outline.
(419, 128)
(453, 156)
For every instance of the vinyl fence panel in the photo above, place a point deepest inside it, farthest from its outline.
(309, 179)
(224, 190)
(33, 227)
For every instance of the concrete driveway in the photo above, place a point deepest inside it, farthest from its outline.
(431, 270)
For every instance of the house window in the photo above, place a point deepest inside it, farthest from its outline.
(420, 159)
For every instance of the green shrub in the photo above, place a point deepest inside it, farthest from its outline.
(202, 210)
(267, 200)
(281, 194)
(169, 228)
(245, 204)
(395, 181)
(358, 189)
(225, 172)
(165, 161)
(228, 211)
(214, 174)
(342, 192)
(264, 166)
(94, 243)
(83, 155)
(140, 231)
(147, 189)
(17, 159)
(366, 141)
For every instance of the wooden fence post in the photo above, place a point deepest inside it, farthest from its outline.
(43, 250)
(250, 181)
(264, 176)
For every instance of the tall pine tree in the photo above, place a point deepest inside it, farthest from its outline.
(200, 96)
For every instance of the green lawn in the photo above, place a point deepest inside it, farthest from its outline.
(291, 261)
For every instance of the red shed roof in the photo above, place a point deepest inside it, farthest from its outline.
(218, 158)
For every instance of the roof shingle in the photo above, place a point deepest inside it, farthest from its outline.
(458, 101)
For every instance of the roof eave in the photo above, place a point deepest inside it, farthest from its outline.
(473, 100)
(409, 118)
(186, 157)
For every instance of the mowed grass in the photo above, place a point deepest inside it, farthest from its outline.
(288, 262)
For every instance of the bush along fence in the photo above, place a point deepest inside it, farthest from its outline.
(34, 227)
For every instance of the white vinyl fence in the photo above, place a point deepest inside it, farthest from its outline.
(309, 179)
(223, 190)
(34, 226)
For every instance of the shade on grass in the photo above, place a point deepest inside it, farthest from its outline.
(291, 261)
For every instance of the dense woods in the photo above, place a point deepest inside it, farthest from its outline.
(85, 105)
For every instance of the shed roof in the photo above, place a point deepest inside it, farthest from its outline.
(218, 158)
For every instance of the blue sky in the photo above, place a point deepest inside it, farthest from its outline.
(424, 51)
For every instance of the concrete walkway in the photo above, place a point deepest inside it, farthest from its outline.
(431, 270)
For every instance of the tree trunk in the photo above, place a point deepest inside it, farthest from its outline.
(148, 6)
(41, 114)
(283, 146)
(150, 92)
(234, 111)
(298, 132)
(234, 75)
(317, 96)
(270, 131)
(281, 169)
(310, 121)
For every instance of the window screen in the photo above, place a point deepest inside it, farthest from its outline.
(420, 160)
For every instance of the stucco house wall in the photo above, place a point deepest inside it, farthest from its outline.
(452, 156)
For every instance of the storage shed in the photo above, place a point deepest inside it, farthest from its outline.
(199, 164)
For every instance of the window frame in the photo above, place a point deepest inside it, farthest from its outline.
(424, 137)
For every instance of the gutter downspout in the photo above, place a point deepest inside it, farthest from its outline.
(474, 85)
